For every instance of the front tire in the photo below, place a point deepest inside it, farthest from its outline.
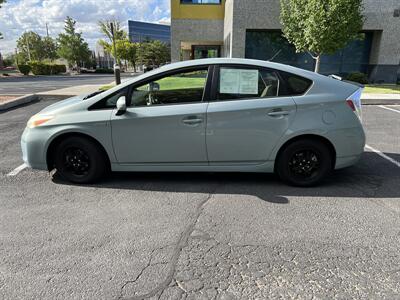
(304, 163)
(80, 160)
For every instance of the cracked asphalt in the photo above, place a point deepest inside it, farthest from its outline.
(202, 236)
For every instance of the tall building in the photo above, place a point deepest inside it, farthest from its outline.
(142, 31)
(252, 29)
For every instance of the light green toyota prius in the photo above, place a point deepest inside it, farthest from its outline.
(219, 115)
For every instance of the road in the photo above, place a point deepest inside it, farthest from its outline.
(36, 84)
(202, 236)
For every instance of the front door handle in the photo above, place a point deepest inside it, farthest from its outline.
(194, 120)
(277, 113)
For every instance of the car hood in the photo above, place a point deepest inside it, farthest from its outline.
(62, 104)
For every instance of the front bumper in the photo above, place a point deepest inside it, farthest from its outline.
(33, 148)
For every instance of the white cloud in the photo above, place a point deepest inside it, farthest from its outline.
(24, 15)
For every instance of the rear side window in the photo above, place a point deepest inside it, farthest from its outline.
(247, 83)
(293, 85)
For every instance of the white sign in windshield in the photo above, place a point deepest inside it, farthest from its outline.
(238, 81)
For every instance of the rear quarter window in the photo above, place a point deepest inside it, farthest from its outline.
(293, 85)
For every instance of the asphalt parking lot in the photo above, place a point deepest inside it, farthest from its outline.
(202, 236)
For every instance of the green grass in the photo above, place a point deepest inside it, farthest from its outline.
(179, 83)
(106, 87)
(172, 83)
(382, 89)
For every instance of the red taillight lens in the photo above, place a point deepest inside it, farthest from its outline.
(351, 104)
(354, 102)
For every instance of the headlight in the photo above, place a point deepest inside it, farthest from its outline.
(38, 120)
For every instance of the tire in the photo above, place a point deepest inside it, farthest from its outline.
(80, 160)
(304, 163)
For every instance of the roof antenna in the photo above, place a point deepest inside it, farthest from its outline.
(275, 55)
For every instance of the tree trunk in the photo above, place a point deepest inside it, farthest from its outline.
(317, 63)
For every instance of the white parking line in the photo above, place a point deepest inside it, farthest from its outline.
(388, 108)
(17, 170)
(395, 162)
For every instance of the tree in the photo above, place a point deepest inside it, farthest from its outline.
(153, 53)
(50, 48)
(30, 45)
(72, 46)
(1, 2)
(321, 26)
(127, 51)
(119, 35)
(132, 54)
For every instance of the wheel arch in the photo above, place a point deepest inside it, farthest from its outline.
(50, 152)
(314, 137)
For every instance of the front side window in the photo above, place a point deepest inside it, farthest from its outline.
(244, 83)
(182, 87)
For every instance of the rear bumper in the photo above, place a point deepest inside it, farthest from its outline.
(347, 161)
(349, 145)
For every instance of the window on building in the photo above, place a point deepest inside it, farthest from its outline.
(182, 87)
(272, 45)
(201, 1)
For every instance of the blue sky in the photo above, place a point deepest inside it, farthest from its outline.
(17, 16)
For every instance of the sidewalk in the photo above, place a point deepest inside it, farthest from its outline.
(73, 91)
(380, 99)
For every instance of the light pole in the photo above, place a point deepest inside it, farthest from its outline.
(117, 71)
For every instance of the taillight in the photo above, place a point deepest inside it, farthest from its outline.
(354, 102)
(351, 104)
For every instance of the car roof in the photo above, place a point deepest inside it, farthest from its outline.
(239, 61)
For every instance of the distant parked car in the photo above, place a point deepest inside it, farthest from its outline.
(217, 115)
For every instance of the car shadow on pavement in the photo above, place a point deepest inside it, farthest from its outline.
(372, 177)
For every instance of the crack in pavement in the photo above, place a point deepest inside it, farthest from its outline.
(182, 242)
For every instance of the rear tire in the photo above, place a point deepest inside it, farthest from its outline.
(80, 160)
(304, 163)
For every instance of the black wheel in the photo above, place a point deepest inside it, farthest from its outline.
(304, 163)
(80, 160)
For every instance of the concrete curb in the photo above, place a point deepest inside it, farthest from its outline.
(19, 101)
(380, 101)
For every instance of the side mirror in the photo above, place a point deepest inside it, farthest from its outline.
(121, 105)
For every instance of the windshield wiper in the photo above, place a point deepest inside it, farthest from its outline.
(92, 95)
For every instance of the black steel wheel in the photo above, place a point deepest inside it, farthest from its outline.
(80, 160)
(304, 162)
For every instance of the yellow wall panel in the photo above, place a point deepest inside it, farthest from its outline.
(197, 11)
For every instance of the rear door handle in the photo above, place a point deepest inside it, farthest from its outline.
(278, 113)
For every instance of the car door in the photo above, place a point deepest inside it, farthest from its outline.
(165, 120)
(248, 116)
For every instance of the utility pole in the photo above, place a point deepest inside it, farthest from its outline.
(47, 30)
(117, 70)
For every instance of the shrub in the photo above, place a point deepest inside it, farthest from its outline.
(39, 68)
(24, 69)
(358, 77)
(58, 69)
(104, 71)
